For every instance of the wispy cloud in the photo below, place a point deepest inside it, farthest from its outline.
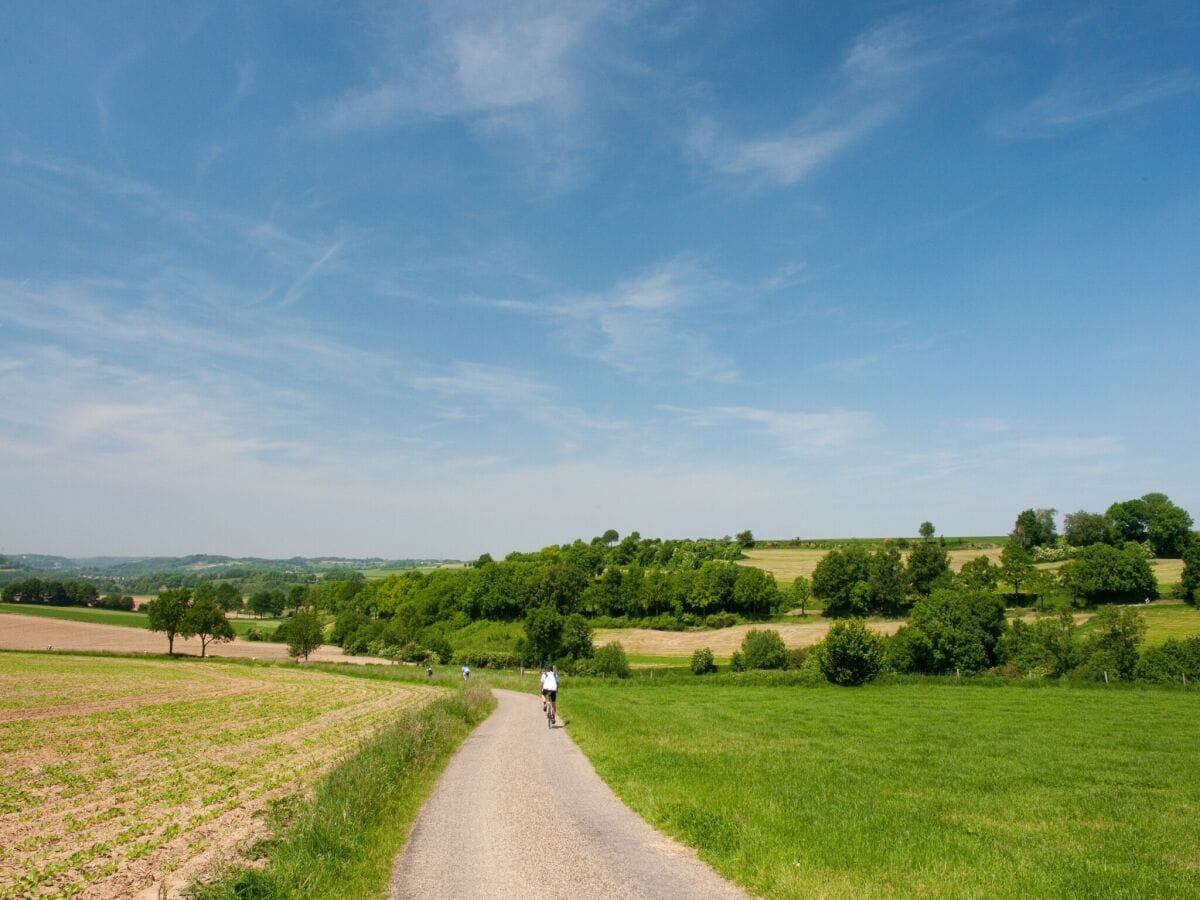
(644, 326)
(801, 433)
(1078, 99)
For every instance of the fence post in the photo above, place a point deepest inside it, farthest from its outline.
(1106, 676)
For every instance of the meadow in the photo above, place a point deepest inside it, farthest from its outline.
(120, 771)
(928, 789)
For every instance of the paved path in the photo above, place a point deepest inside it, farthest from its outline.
(521, 813)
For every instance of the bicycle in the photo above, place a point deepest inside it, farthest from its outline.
(551, 711)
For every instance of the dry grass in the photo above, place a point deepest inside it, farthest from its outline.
(786, 565)
(722, 641)
(118, 772)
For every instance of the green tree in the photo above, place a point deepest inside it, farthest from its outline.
(576, 638)
(229, 598)
(979, 574)
(610, 661)
(166, 613)
(1034, 528)
(1106, 574)
(801, 594)
(703, 662)
(886, 579)
(1127, 520)
(835, 577)
(745, 539)
(543, 634)
(205, 619)
(1189, 580)
(305, 632)
(1049, 645)
(1082, 529)
(1111, 648)
(926, 530)
(763, 650)
(928, 566)
(851, 653)
(1168, 527)
(963, 628)
(1016, 565)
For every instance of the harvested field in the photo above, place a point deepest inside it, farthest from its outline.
(785, 565)
(721, 641)
(19, 632)
(120, 773)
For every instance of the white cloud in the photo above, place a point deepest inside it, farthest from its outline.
(801, 433)
(1078, 99)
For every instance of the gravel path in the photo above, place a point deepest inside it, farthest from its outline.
(521, 813)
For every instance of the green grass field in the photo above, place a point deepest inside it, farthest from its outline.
(1163, 621)
(117, 617)
(910, 789)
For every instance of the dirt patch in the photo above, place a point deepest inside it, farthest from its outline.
(19, 632)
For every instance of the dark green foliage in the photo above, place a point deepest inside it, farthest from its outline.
(1173, 661)
(305, 632)
(763, 650)
(73, 592)
(115, 601)
(1082, 529)
(703, 662)
(835, 577)
(1106, 574)
(745, 538)
(963, 628)
(910, 650)
(166, 613)
(1016, 565)
(610, 661)
(543, 634)
(1152, 518)
(926, 530)
(1034, 528)
(1111, 648)
(576, 638)
(851, 653)
(928, 567)
(886, 580)
(1189, 581)
(978, 574)
(206, 620)
(1049, 646)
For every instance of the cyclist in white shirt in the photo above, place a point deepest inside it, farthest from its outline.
(549, 686)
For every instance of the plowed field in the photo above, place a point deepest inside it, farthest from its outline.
(120, 774)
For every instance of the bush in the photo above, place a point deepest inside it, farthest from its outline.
(1111, 649)
(114, 601)
(963, 628)
(721, 620)
(910, 650)
(797, 656)
(610, 660)
(1105, 574)
(764, 650)
(851, 653)
(703, 662)
(486, 659)
(1171, 661)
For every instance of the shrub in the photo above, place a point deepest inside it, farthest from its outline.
(1171, 661)
(764, 650)
(796, 657)
(486, 659)
(1105, 574)
(703, 662)
(720, 620)
(114, 601)
(910, 650)
(610, 660)
(1112, 648)
(737, 662)
(851, 653)
(963, 628)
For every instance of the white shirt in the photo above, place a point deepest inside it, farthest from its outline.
(549, 681)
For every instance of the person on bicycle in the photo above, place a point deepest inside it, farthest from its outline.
(549, 687)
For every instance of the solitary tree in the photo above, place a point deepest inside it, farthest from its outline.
(205, 619)
(928, 566)
(305, 632)
(851, 653)
(926, 530)
(166, 613)
(1034, 528)
(801, 593)
(1016, 564)
(745, 538)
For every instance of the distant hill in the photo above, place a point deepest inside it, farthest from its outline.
(217, 566)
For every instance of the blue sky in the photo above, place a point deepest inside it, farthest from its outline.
(434, 279)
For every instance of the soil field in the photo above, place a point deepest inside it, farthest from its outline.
(19, 632)
(721, 641)
(122, 773)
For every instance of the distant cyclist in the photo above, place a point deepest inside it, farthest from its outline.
(466, 671)
(549, 687)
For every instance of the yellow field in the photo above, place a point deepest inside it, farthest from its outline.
(119, 772)
(785, 565)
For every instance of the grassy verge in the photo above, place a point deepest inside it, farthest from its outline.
(341, 842)
(910, 789)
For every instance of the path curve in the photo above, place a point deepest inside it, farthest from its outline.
(521, 813)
